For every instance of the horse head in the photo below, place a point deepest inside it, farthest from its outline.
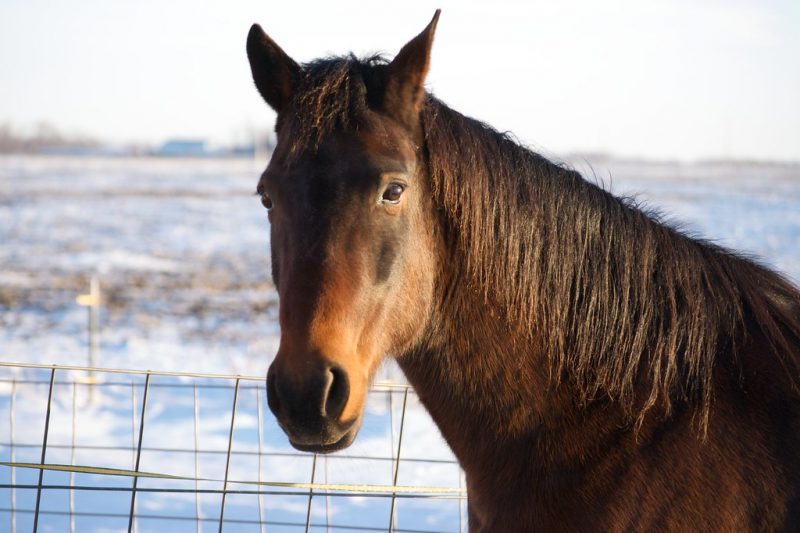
(351, 240)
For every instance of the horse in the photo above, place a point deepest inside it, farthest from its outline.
(592, 367)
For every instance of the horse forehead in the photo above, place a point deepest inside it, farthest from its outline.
(356, 157)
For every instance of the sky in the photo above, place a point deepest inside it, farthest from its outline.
(658, 79)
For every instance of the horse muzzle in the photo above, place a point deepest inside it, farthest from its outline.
(309, 407)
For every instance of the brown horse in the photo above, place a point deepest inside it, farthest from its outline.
(591, 367)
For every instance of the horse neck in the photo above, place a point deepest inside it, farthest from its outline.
(488, 384)
(490, 393)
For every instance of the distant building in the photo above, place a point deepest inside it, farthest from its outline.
(183, 148)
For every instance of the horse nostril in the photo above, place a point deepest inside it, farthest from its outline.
(338, 392)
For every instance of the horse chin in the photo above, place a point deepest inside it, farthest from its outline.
(345, 441)
(333, 443)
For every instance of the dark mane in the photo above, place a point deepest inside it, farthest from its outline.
(631, 307)
(623, 304)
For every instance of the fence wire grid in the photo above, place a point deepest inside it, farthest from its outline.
(94, 449)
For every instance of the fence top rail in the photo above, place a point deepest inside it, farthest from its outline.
(379, 385)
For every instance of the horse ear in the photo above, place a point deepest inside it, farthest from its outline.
(405, 83)
(274, 72)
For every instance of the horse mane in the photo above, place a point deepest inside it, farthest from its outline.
(624, 305)
(621, 302)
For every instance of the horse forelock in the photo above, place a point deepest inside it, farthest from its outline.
(331, 95)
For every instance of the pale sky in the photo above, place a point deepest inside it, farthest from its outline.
(659, 79)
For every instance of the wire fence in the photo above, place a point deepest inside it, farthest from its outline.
(94, 449)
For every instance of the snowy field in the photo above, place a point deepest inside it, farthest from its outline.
(181, 251)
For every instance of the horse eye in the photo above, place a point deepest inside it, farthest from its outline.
(266, 201)
(392, 193)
